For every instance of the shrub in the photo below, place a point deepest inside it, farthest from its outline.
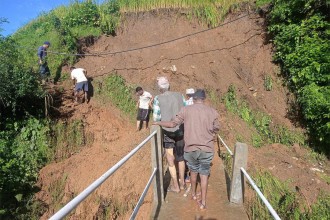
(301, 35)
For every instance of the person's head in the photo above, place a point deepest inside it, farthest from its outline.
(199, 95)
(190, 92)
(46, 44)
(163, 84)
(72, 68)
(139, 91)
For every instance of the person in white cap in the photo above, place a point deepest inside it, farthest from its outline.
(165, 107)
(189, 96)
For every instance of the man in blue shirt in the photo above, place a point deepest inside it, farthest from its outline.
(43, 65)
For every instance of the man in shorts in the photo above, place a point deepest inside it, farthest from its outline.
(80, 82)
(165, 107)
(200, 125)
(145, 100)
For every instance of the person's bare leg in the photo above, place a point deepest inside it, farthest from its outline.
(145, 125)
(138, 125)
(76, 96)
(193, 181)
(171, 166)
(182, 168)
(204, 182)
(86, 97)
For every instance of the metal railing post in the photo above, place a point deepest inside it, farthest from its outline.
(157, 162)
(237, 183)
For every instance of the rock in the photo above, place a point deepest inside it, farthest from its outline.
(316, 170)
(173, 69)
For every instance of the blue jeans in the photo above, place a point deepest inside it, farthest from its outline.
(44, 70)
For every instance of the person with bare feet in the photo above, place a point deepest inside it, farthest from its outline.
(165, 107)
(200, 125)
(80, 82)
(143, 105)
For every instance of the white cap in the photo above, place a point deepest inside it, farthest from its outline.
(163, 82)
(190, 91)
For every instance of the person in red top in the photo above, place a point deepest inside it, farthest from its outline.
(200, 125)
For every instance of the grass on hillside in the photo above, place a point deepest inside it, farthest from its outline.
(113, 88)
(267, 131)
(286, 202)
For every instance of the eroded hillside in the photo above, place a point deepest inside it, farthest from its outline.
(234, 53)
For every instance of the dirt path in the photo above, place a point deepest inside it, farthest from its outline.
(176, 206)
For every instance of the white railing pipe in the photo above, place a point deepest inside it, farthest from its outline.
(144, 193)
(224, 144)
(78, 199)
(263, 198)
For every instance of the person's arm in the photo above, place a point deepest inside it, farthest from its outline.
(73, 80)
(137, 104)
(151, 101)
(40, 53)
(216, 125)
(85, 72)
(178, 120)
(166, 124)
(156, 110)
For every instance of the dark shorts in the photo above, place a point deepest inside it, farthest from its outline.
(143, 115)
(199, 161)
(82, 86)
(174, 140)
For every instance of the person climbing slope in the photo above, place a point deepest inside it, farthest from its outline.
(42, 61)
(80, 82)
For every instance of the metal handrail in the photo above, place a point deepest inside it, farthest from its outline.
(224, 144)
(263, 198)
(144, 193)
(78, 199)
(255, 187)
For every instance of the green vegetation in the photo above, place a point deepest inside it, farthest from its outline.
(208, 11)
(285, 201)
(267, 131)
(114, 88)
(301, 35)
(260, 3)
(67, 138)
(23, 151)
(268, 83)
(112, 208)
(57, 192)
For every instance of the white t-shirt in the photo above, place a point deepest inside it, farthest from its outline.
(78, 74)
(144, 100)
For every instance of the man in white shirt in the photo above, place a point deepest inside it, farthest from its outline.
(143, 104)
(80, 82)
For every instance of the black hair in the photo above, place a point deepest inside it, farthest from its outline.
(138, 89)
